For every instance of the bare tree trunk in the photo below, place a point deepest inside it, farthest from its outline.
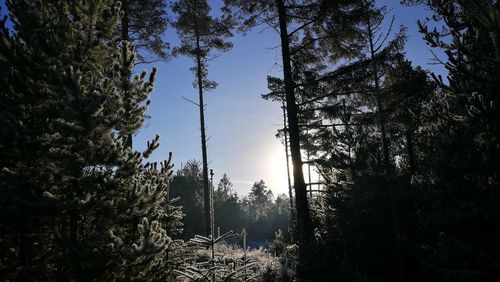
(309, 181)
(290, 193)
(304, 224)
(206, 188)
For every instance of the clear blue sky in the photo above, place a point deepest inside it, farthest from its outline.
(241, 125)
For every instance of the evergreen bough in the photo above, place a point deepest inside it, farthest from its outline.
(76, 203)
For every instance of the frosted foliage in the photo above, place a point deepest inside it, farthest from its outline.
(82, 203)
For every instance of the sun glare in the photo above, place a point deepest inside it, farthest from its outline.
(277, 167)
(278, 181)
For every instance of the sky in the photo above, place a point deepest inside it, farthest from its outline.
(241, 126)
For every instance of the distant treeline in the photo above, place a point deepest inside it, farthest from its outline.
(260, 213)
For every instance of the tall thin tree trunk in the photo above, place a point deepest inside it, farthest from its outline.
(304, 224)
(348, 133)
(290, 193)
(206, 188)
(212, 221)
(309, 180)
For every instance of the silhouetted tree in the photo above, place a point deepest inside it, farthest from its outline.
(224, 189)
(461, 141)
(408, 91)
(297, 22)
(279, 16)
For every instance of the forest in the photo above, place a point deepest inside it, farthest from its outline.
(408, 159)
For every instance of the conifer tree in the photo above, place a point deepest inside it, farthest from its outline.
(260, 199)
(466, 106)
(296, 22)
(224, 189)
(78, 204)
(274, 13)
(408, 90)
(142, 25)
(187, 185)
(227, 206)
(200, 35)
(461, 140)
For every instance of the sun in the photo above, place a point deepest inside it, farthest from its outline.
(277, 168)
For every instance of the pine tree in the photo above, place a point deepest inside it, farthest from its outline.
(144, 23)
(274, 13)
(77, 205)
(277, 94)
(340, 89)
(297, 23)
(469, 39)
(142, 26)
(200, 35)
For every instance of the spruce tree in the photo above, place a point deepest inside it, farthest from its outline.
(77, 205)
(260, 199)
(224, 189)
(227, 207)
